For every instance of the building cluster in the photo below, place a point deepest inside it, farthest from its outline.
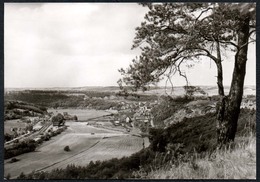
(138, 113)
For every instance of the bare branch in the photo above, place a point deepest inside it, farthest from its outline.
(202, 13)
(245, 45)
(228, 42)
(180, 73)
(171, 72)
(252, 39)
(253, 31)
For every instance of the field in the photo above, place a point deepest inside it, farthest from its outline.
(86, 143)
(103, 149)
(15, 123)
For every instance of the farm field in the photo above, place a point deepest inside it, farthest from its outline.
(104, 149)
(86, 143)
(15, 123)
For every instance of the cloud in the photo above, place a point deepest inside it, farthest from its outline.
(80, 44)
(68, 44)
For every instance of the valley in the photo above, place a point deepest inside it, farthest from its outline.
(91, 131)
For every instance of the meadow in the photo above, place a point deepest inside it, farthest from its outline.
(85, 147)
(15, 123)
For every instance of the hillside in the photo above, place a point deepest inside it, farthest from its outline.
(19, 109)
(173, 144)
(236, 163)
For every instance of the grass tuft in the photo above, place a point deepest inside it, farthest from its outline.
(238, 162)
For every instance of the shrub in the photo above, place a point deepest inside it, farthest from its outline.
(20, 148)
(47, 137)
(14, 160)
(22, 176)
(8, 176)
(8, 137)
(67, 148)
(75, 118)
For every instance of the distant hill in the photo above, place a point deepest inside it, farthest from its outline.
(87, 88)
(210, 90)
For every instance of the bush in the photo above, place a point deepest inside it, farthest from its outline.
(8, 176)
(8, 137)
(14, 160)
(20, 148)
(75, 118)
(67, 148)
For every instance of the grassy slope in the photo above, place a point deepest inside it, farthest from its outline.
(198, 134)
(238, 163)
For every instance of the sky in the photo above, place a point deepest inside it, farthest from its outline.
(84, 44)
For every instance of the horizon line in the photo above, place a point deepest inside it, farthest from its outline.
(31, 87)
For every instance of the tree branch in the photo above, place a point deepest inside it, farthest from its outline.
(208, 53)
(171, 72)
(228, 42)
(220, 41)
(245, 45)
(202, 13)
(250, 33)
(180, 73)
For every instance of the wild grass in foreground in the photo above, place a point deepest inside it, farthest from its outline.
(236, 163)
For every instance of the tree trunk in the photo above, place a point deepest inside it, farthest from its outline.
(220, 80)
(228, 108)
(220, 72)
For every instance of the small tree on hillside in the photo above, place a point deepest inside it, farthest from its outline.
(191, 90)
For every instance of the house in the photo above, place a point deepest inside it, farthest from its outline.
(117, 123)
(128, 120)
(37, 139)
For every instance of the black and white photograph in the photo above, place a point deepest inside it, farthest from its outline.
(117, 90)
